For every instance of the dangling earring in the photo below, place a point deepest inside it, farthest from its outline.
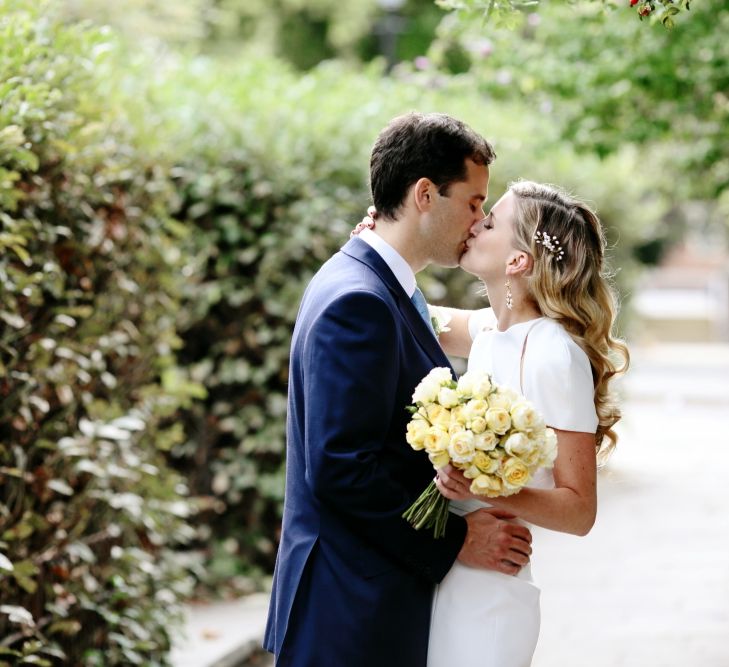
(509, 295)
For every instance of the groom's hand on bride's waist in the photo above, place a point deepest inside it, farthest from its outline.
(495, 542)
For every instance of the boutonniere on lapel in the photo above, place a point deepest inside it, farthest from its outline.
(439, 319)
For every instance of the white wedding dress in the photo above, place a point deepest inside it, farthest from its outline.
(482, 618)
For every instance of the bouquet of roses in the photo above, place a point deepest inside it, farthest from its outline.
(491, 433)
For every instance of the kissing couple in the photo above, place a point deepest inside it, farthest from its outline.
(355, 584)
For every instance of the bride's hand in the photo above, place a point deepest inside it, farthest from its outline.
(453, 484)
(368, 222)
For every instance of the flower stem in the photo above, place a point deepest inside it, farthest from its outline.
(430, 510)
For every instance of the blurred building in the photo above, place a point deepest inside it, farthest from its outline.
(686, 297)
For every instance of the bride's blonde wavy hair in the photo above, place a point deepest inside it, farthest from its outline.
(575, 289)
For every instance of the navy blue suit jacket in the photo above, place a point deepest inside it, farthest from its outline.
(353, 581)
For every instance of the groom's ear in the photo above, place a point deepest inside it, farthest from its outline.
(423, 194)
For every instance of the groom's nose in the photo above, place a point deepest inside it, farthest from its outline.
(477, 226)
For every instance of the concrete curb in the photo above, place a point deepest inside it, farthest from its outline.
(221, 634)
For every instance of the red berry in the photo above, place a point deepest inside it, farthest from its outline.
(633, 3)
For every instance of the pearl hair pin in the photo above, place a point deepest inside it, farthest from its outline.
(549, 243)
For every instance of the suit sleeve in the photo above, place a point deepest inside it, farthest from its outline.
(350, 361)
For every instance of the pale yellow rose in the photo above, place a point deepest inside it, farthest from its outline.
(515, 474)
(448, 397)
(486, 441)
(439, 459)
(417, 429)
(485, 463)
(461, 447)
(500, 400)
(458, 416)
(525, 418)
(487, 485)
(474, 408)
(533, 457)
(436, 439)
(438, 415)
(478, 425)
(498, 420)
(471, 472)
(454, 427)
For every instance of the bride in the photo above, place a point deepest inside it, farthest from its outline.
(547, 335)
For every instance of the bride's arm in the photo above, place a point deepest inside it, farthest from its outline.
(456, 341)
(570, 507)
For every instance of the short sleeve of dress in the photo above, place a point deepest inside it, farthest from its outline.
(480, 320)
(558, 381)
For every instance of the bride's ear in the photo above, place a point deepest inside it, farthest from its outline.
(519, 263)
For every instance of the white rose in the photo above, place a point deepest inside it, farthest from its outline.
(461, 447)
(548, 444)
(426, 391)
(465, 384)
(485, 441)
(482, 386)
(448, 397)
(517, 444)
(441, 375)
(498, 420)
(524, 417)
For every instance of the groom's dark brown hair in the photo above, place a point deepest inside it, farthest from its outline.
(414, 146)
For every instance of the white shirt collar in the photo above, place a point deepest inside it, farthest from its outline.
(393, 259)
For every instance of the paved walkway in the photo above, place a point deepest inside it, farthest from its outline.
(649, 586)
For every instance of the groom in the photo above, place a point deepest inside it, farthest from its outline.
(353, 580)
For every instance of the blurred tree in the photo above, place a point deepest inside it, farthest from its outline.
(606, 82)
(505, 12)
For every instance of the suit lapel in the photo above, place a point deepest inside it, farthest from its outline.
(364, 253)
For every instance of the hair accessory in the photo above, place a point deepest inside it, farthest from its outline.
(549, 243)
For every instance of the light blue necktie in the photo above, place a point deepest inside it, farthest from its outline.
(421, 306)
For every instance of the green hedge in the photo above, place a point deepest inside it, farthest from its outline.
(89, 508)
